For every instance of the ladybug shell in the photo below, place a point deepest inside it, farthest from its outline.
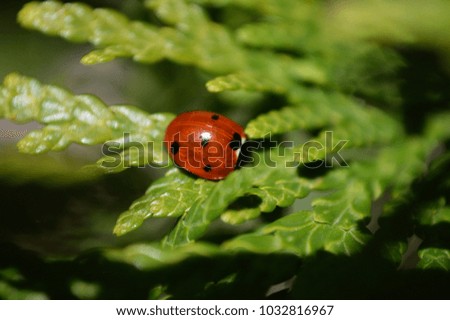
(204, 143)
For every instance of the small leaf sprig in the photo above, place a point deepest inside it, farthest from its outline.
(82, 119)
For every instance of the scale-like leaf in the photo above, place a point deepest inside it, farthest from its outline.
(282, 194)
(116, 36)
(192, 29)
(240, 216)
(196, 220)
(244, 82)
(301, 234)
(285, 120)
(434, 258)
(104, 28)
(279, 35)
(334, 223)
(170, 196)
(315, 109)
(284, 74)
(81, 119)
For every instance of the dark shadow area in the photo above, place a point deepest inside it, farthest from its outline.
(241, 276)
(425, 88)
(366, 276)
(313, 170)
(195, 278)
(66, 220)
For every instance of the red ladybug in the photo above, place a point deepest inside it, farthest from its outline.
(204, 143)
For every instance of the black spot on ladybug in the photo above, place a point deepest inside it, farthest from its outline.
(215, 117)
(207, 168)
(236, 142)
(175, 147)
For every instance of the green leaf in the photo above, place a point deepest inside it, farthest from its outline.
(104, 28)
(243, 182)
(343, 207)
(195, 221)
(278, 35)
(193, 39)
(344, 121)
(282, 193)
(141, 143)
(314, 109)
(124, 156)
(81, 119)
(258, 243)
(240, 216)
(170, 196)
(153, 255)
(285, 120)
(301, 234)
(334, 223)
(398, 165)
(116, 36)
(244, 82)
(434, 258)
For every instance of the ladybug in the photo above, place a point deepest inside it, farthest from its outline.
(204, 143)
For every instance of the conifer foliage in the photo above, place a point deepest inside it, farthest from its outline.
(352, 159)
